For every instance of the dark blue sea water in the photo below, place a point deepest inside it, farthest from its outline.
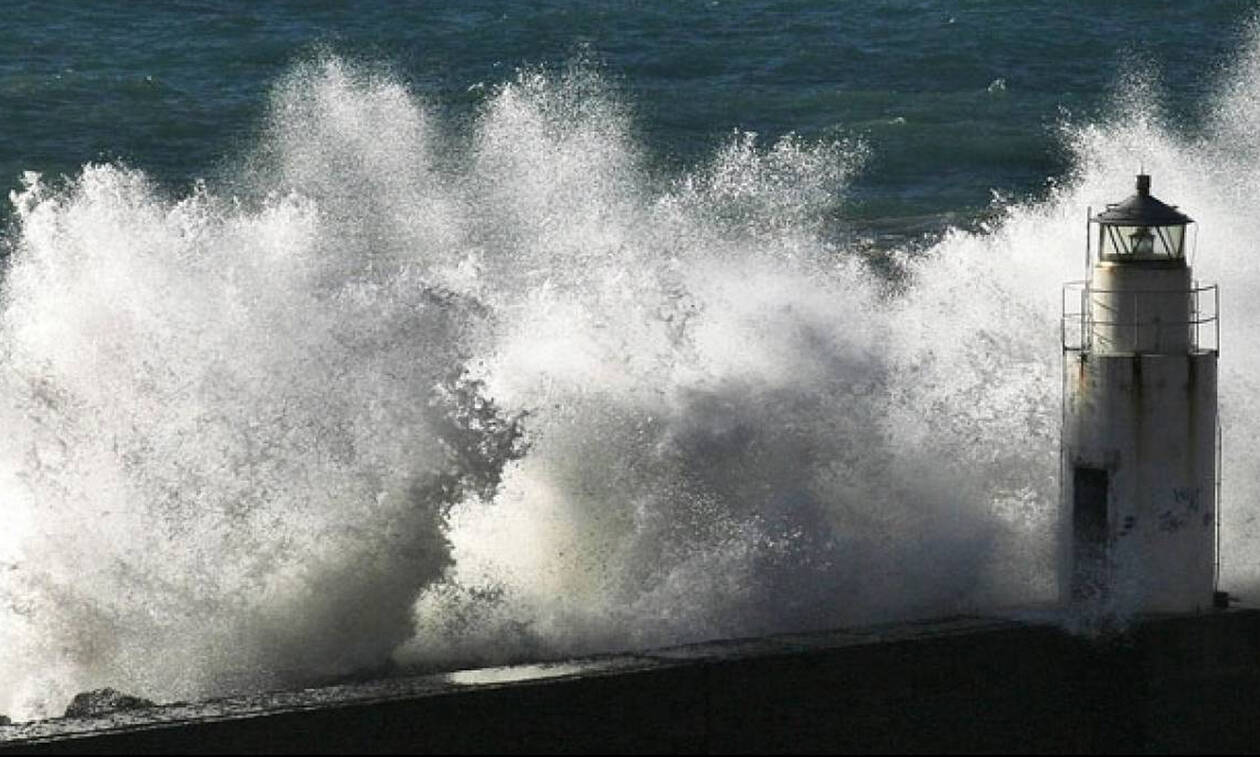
(339, 334)
(955, 99)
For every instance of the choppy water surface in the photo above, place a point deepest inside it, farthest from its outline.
(452, 384)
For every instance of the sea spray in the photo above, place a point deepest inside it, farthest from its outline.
(231, 433)
(501, 391)
(727, 416)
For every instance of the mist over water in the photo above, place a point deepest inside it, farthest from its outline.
(455, 393)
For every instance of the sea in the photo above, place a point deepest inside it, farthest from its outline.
(375, 336)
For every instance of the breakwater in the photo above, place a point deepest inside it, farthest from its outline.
(1185, 683)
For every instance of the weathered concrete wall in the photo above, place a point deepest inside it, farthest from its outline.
(1175, 684)
(1149, 422)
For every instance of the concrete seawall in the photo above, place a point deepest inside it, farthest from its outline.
(1187, 684)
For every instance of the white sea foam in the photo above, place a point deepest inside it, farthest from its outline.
(255, 436)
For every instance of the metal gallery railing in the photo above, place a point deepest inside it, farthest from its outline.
(1079, 328)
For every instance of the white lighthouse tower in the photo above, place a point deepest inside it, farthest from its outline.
(1139, 447)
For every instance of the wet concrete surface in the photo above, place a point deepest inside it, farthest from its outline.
(969, 684)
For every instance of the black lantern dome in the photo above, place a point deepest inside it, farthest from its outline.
(1142, 228)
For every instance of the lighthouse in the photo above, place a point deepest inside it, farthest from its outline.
(1140, 443)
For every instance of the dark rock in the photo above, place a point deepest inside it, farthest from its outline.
(102, 701)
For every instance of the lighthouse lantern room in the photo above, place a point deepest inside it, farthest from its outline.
(1139, 481)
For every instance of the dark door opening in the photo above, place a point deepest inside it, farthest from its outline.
(1089, 533)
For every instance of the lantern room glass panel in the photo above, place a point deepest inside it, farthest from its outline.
(1116, 242)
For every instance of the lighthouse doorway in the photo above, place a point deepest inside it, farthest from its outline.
(1089, 532)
